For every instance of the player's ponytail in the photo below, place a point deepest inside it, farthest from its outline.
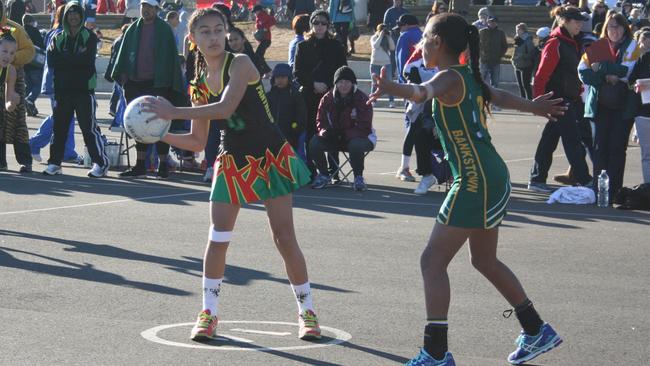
(474, 54)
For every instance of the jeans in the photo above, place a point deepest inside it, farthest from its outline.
(43, 137)
(491, 74)
(566, 127)
(357, 147)
(376, 69)
(524, 77)
(610, 146)
(643, 132)
(33, 80)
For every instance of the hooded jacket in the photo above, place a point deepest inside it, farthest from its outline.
(72, 58)
(25, 51)
(353, 117)
(288, 107)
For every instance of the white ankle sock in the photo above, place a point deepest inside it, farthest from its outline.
(406, 160)
(211, 290)
(303, 297)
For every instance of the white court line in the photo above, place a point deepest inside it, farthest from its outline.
(264, 332)
(92, 182)
(100, 203)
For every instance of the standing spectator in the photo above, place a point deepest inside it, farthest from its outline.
(459, 7)
(71, 57)
(483, 16)
(90, 9)
(438, 7)
(16, 10)
(542, 34)
(237, 43)
(376, 11)
(288, 108)
(341, 14)
(13, 127)
(558, 73)
(105, 6)
(300, 26)
(30, 8)
(317, 58)
(299, 7)
(382, 45)
(43, 136)
(522, 60)
(148, 64)
(132, 12)
(626, 8)
(642, 121)
(263, 23)
(391, 17)
(410, 36)
(118, 93)
(493, 47)
(173, 20)
(598, 14)
(609, 101)
(33, 73)
(344, 122)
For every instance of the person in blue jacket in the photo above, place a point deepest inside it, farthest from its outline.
(410, 35)
(342, 13)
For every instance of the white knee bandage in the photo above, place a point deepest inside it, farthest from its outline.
(219, 236)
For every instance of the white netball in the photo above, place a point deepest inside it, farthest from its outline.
(138, 125)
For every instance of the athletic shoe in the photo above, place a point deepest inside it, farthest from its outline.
(135, 172)
(208, 175)
(539, 187)
(425, 359)
(426, 183)
(25, 169)
(205, 327)
(321, 181)
(308, 326)
(359, 184)
(52, 170)
(566, 179)
(98, 171)
(37, 158)
(405, 175)
(529, 347)
(163, 170)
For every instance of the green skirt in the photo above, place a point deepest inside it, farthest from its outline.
(273, 175)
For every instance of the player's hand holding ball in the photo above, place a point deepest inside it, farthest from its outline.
(147, 119)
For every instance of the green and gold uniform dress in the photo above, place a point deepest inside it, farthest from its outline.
(255, 161)
(481, 187)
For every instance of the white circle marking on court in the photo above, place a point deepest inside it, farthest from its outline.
(151, 334)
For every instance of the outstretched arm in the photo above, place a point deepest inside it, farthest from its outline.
(542, 106)
(442, 86)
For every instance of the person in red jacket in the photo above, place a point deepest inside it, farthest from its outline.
(343, 122)
(263, 23)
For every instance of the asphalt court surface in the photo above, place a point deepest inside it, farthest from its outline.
(109, 271)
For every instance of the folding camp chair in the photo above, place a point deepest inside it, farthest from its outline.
(343, 169)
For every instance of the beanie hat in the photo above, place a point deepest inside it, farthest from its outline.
(345, 73)
(281, 69)
(319, 13)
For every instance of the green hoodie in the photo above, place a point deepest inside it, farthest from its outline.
(72, 58)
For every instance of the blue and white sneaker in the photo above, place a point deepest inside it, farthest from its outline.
(425, 359)
(529, 347)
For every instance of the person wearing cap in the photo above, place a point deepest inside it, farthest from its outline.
(610, 103)
(558, 73)
(344, 122)
(317, 58)
(288, 107)
(71, 58)
(263, 23)
(482, 21)
(542, 36)
(342, 13)
(148, 64)
(410, 35)
(493, 47)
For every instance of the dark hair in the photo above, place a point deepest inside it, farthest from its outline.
(239, 32)
(300, 23)
(6, 36)
(200, 64)
(171, 15)
(457, 36)
(312, 17)
(58, 17)
(618, 19)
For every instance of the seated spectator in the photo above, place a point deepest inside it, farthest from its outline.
(343, 122)
(288, 107)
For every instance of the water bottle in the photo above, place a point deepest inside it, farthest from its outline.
(603, 189)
